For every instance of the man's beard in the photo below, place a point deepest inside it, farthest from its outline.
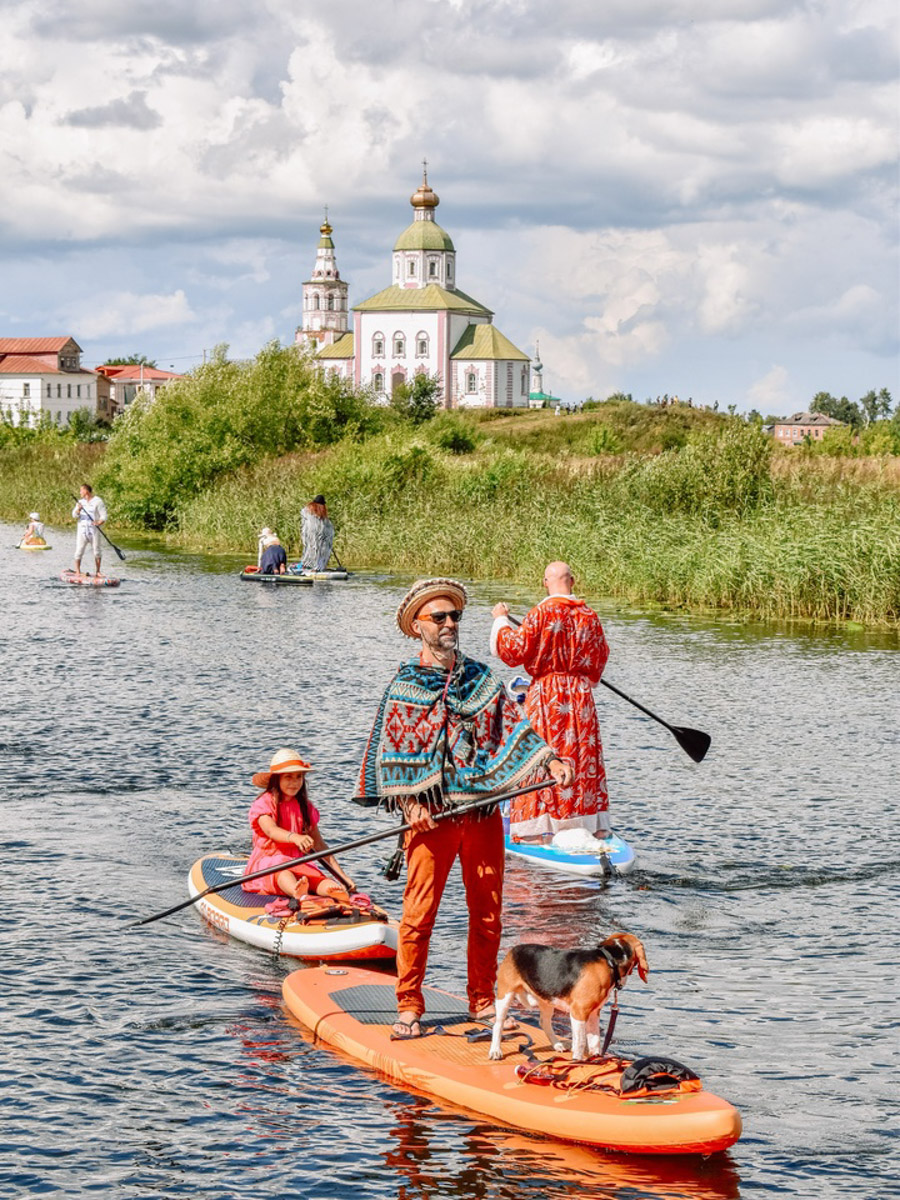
(442, 641)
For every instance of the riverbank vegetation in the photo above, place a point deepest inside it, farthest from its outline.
(678, 507)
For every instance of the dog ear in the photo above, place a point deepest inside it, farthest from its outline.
(638, 957)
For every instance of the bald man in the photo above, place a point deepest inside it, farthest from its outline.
(561, 645)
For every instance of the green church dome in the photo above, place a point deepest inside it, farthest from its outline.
(424, 235)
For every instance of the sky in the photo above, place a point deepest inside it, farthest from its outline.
(670, 197)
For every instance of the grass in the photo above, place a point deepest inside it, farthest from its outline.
(723, 522)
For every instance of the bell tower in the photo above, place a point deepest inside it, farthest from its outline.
(324, 296)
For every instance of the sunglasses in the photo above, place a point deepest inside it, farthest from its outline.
(455, 615)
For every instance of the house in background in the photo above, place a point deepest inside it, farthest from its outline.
(792, 430)
(126, 380)
(45, 375)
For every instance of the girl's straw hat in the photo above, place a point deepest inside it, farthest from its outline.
(34, 516)
(282, 762)
(420, 593)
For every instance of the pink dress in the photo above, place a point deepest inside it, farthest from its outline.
(269, 853)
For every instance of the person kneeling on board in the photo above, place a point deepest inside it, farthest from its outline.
(285, 825)
(447, 732)
(274, 557)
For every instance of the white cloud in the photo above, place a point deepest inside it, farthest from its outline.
(771, 393)
(122, 313)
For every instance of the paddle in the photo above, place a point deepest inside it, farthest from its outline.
(365, 841)
(694, 742)
(334, 553)
(120, 553)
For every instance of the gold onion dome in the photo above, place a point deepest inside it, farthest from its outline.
(424, 196)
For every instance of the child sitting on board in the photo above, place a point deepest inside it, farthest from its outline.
(34, 531)
(285, 825)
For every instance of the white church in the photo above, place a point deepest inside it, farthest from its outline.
(421, 323)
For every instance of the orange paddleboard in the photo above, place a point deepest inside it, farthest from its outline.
(353, 1009)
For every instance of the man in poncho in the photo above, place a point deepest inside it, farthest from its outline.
(445, 733)
(562, 646)
(317, 534)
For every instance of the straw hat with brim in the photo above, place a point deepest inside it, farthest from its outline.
(283, 762)
(271, 540)
(265, 532)
(420, 593)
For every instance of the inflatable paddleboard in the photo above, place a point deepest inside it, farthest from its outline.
(33, 546)
(89, 580)
(253, 575)
(330, 937)
(321, 576)
(566, 854)
(531, 1088)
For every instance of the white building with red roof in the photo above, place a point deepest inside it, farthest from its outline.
(127, 380)
(45, 375)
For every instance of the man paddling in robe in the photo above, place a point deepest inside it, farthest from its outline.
(562, 646)
(445, 733)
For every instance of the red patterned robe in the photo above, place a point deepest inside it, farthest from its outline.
(562, 647)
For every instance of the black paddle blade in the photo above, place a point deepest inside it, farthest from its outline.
(692, 741)
(121, 553)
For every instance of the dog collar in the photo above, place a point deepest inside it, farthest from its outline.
(613, 965)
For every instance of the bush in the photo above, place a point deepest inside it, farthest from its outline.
(165, 449)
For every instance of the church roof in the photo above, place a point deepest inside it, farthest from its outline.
(342, 348)
(432, 298)
(424, 235)
(484, 341)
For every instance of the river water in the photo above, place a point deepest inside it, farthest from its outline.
(159, 1062)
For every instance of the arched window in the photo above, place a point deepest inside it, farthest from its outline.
(378, 381)
(411, 268)
(316, 301)
(471, 382)
(329, 304)
(399, 345)
(377, 345)
(421, 345)
(432, 269)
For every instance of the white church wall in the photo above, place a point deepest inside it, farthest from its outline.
(411, 328)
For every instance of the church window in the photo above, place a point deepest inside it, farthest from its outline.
(49, 390)
(69, 390)
(316, 302)
(471, 383)
(378, 345)
(432, 269)
(378, 381)
(411, 268)
(399, 345)
(58, 390)
(329, 304)
(421, 345)
(524, 382)
(26, 389)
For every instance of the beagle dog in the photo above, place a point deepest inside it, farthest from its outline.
(578, 981)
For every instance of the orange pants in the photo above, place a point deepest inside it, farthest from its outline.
(478, 842)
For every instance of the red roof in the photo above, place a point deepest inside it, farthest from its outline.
(35, 345)
(134, 371)
(30, 364)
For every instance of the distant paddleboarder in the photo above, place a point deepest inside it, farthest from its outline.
(317, 533)
(34, 531)
(90, 513)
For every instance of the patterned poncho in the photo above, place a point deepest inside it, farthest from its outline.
(447, 741)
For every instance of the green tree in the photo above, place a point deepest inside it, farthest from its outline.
(418, 401)
(132, 359)
(841, 410)
(876, 404)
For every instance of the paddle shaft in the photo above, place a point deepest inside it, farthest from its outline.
(365, 841)
(100, 527)
(694, 742)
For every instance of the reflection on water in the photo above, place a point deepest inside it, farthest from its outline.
(765, 896)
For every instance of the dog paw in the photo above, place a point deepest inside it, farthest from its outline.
(495, 1054)
(559, 1046)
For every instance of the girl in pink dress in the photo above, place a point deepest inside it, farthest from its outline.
(285, 826)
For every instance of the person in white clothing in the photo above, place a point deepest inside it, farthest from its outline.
(90, 513)
(262, 542)
(34, 531)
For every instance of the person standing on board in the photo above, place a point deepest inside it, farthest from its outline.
(562, 646)
(317, 533)
(447, 732)
(90, 513)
